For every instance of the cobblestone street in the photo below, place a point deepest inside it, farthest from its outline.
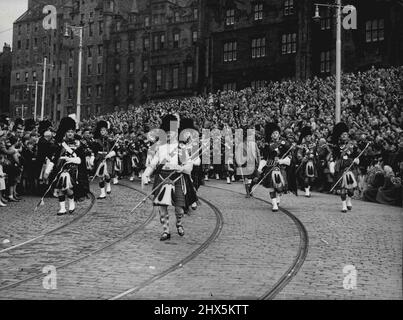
(233, 248)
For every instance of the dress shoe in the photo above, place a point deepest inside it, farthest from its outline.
(165, 236)
(181, 230)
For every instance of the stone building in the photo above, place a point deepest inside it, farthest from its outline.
(138, 50)
(5, 73)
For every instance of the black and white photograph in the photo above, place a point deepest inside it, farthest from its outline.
(201, 155)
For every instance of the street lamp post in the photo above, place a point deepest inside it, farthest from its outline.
(43, 90)
(338, 7)
(36, 85)
(45, 65)
(77, 31)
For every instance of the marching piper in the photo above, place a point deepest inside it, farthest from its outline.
(104, 155)
(248, 161)
(189, 143)
(273, 167)
(345, 156)
(172, 167)
(67, 159)
(308, 155)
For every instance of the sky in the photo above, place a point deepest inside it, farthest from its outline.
(10, 10)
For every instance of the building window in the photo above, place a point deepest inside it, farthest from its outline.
(325, 62)
(145, 65)
(71, 72)
(375, 30)
(162, 41)
(230, 17)
(131, 45)
(175, 77)
(26, 76)
(89, 91)
(176, 16)
(258, 11)
(288, 7)
(89, 51)
(158, 79)
(229, 86)
(176, 39)
(34, 75)
(117, 46)
(258, 48)
(99, 68)
(131, 66)
(90, 29)
(131, 89)
(195, 13)
(70, 93)
(147, 21)
(159, 41)
(289, 43)
(230, 51)
(100, 50)
(326, 20)
(100, 28)
(89, 69)
(117, 67)
(146, 43)
(27, 44)
(194, 36)
(144, 85)
(17, 76)
(189, 76)
(99, 90)
(116, 90)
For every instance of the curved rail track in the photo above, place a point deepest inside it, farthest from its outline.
(269, 294)
(214, 235)
(90, 252)
(76, 219)
(299, 258)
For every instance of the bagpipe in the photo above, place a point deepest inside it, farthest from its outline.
(166, 193)
(346, 177)
(274, 165)
(102, 167)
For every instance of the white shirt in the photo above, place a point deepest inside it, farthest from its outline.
(167, 154)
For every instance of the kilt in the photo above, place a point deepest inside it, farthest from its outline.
(197, 176)
(67, 179)
(103, 169)
(279, 175)
(348, 179)
(308, 171)
(178, 199)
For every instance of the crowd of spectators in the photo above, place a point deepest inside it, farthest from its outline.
(371, 106)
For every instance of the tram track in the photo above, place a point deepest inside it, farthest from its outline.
(74, 220)
(90, 250)
(299, 258)
(271, 293)
(214, 235)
